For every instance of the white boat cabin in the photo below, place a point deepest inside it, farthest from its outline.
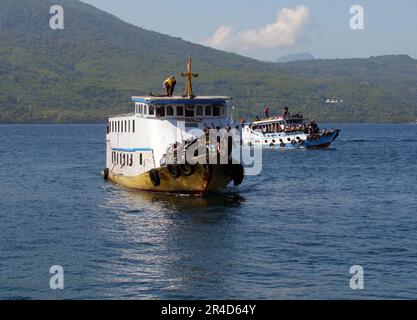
(136, 142)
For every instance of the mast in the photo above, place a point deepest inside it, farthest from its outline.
(189, 75)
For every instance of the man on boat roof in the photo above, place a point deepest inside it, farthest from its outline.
(169, 85)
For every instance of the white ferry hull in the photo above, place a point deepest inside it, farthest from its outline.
(298, 140)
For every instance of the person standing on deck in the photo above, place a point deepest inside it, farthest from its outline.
(286, 112)
(266, 111)
(169, 85)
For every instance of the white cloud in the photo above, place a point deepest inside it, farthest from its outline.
(290, 26)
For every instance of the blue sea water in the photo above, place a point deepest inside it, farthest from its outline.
(292, 232)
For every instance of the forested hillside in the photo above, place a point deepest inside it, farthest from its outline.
(91, 68)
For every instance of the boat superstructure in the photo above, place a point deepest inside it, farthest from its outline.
(140, 144)
(287, 131)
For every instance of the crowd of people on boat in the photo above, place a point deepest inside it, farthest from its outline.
(289, 126)
(286, 115)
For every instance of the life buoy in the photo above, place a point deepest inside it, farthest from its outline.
(272, 145)
(174, 170)
(282, 145)
(293, 142)
(187, 169)
(154, 177)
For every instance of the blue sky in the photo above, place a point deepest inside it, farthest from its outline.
(253, 28)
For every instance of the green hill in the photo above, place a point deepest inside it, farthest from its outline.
(91, 68)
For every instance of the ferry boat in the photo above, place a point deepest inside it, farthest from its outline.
(287, 132)
(143, 146)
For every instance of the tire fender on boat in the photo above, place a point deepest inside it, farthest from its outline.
(174, 170)
(106, 172)
(236, 172)
(154, 177)
(187, 169)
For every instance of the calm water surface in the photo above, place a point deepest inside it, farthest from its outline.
(292, 232)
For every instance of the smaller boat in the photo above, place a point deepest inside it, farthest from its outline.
(287, 132)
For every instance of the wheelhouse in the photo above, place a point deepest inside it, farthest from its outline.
(181, 108)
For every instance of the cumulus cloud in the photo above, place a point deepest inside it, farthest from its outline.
(290, 26)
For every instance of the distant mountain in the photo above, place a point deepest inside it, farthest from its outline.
(91, 68)
(303, 56)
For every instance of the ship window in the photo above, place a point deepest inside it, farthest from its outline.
(208, 111)
(180, 111)
(118, 126)
(141, 159)
(151, 110)
(189, 112)
(133, 126)
(170, 111)
(199, 111)
(160, 111)
(216, 111)
(128, 126)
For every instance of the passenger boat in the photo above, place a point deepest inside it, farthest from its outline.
(143, 147)
(287, 132)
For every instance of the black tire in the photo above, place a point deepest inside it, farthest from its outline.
(238, 175)
(154, 177)
(187, 169)
(174, 170)
(106, 174)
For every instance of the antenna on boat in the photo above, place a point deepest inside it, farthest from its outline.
(189, 86)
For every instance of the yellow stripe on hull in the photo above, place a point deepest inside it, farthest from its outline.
(200, 182)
